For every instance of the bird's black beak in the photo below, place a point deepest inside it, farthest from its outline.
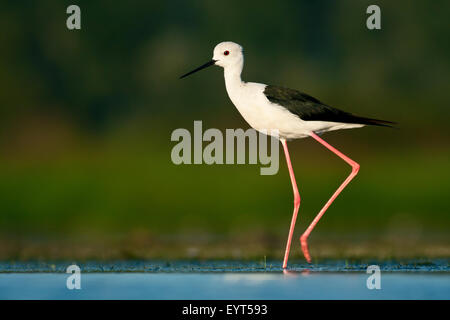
(206, 65)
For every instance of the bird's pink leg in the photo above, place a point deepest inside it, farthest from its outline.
(296, 202)
(355, 169)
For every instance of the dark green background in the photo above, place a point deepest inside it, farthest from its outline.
(86, 118)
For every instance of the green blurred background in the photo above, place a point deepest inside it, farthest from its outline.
(86, 118)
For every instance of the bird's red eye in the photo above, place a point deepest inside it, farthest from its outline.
(226, 52)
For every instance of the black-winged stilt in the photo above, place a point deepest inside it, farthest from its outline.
(292, 113)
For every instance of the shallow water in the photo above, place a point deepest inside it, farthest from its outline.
(292, 285)
(420, 279)
(435, 265)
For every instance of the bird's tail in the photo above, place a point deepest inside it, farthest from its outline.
(376, 122)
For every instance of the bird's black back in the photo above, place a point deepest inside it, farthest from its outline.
(310, 109)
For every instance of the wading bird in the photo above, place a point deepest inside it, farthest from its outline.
(293, 114)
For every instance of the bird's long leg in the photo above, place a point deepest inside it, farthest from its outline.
(355, 169)
(296, 202)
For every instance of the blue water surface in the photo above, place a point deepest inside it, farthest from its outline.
(293, 285)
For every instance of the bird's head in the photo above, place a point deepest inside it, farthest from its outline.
(228, 54)
(225, 54)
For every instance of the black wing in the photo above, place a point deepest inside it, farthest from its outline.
(310, 109)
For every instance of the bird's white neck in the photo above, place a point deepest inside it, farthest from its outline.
(232, 76)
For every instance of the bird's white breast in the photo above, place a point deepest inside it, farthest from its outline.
(263, 115)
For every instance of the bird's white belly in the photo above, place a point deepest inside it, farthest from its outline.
(265, 116)
(268, 118)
